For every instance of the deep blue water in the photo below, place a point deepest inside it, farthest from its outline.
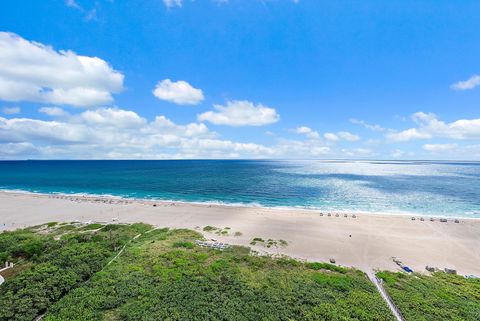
(430, 188)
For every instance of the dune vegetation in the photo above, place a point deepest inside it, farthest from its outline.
(51, 260)
(62, 272)
(440, 296)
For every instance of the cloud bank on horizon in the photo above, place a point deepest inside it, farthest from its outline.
(56, 103)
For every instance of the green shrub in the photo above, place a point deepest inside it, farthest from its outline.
(326, 266)
(93, 226)
(440, 296)
(155, 278)
(187, 245)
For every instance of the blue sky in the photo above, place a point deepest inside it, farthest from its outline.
(240, 79)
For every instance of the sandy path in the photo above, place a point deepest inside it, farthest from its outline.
(374, 238)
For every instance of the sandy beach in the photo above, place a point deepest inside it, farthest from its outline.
(366, 242)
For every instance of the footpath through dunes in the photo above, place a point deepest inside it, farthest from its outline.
(366, 242)
(162, 275)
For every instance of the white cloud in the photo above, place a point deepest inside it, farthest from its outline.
(343, 135)
(106, 133)
(439, 147)
(310, 133)
(190, 130)
(172, 3)
(429, 126)
(357, 152)
(117, 133)
(348, 136)
(11, 110)
(178, 92)
(407, 135)
(53, 111)
(397, 153)
(15, 149)
(113, 117)
(470, 83)
(301, 149)
(30, 71)
(374, 127)
(331, 137)
(72, 4)
(240, 113)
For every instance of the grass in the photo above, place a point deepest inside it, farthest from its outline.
(187, 245)
(216, 230)
(93, 226)
(268, 243)
(440, 296)
(327, 267)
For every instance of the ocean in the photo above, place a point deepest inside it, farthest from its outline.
(400, 187)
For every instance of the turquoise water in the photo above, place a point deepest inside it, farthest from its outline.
(429, 188)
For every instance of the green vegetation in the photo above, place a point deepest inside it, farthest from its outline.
(268, 243)
(93, 226)
(62, 271)
(163, 275)
(326, 267)
(430, 298)
(164, 280)
(51, 263)
(216, 230)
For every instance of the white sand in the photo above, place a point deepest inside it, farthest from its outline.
(374, 240)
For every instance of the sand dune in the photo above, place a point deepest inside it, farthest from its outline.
(366, 242)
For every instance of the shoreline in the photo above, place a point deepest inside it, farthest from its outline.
(366, 242)
(86, 197)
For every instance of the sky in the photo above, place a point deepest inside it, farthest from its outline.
(175, 79)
